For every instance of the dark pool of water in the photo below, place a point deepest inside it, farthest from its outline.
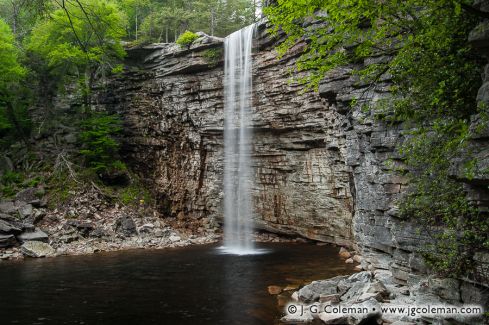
(194, 285)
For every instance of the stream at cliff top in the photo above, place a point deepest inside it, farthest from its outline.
(193, 285)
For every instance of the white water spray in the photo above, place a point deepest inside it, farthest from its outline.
(238, 177)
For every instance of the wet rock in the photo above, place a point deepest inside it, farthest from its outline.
(357, 258)
(313, 291)
(344, 253)
(37, 235)
(349, 261)
(37, 249)
(7, 240)
(126, 226)
(274, 290)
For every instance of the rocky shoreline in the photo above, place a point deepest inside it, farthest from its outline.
(375, 297)
(89, 224)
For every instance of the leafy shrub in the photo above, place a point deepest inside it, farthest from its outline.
(186, 39)
(99, 141)
(10, 183)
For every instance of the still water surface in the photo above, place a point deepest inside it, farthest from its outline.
(193, 285)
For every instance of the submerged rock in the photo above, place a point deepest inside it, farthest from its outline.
(274, 290)
(37, 249)
(344, 253)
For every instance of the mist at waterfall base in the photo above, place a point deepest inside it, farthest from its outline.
(191, 285)
(238, 141)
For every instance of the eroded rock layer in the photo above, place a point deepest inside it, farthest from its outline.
(172, 103)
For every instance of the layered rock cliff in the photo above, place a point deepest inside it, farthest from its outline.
(172, 104)
(323, 170)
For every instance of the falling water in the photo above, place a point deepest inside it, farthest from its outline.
(238, 178)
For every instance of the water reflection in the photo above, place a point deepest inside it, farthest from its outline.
(175, 286)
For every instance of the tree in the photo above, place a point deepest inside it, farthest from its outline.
(11, 75)
(168, 19)
(21, 15)
(421, 47)
(136, 11)
(81, 38)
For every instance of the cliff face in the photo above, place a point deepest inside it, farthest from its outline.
(322, 169)
(172, 104)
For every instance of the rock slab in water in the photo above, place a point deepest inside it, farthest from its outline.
(37, 249)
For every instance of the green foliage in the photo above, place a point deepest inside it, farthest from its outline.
(166, 19)
(99, 142)
(439, 203)
(135, 194)
(11, 182)
(213, 55)
(420, 52)
(13, 116)
(77, 41)
(187, 38)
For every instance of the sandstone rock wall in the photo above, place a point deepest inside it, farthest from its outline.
(172, 103)
(323, 170)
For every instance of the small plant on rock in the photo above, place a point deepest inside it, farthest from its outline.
(186, 39)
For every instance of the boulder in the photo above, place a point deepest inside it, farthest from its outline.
(344, 253)
(6, 164)
(28, 195)
(36, 235)
(25, 209)
(84, 228)
(7, 240)
(357, 258)
(98, 233)
(274, 290)
(126, 226)
(7, 207)
(446, 288)
(37, 249)
(338, 317)
(175, 238)
(8, 228)
(313, 291)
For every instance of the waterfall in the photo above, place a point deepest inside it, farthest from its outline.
(238, 176)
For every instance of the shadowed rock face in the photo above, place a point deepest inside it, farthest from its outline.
(172, 103)
(323, 169)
